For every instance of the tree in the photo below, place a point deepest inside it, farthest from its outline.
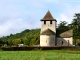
(16, 42)
(11, 35)
(10, 42)
(35, 41)
(62, 26)
(1, 42)
(76, 26)
(24, 37)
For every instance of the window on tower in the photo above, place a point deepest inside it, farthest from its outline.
(44, 22)
(50, 22)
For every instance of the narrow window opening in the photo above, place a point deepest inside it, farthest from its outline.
(68, 42)
(50, 22)
(62, 42)
(46, 41)
(44, 22)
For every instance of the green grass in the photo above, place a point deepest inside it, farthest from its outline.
(40, 55)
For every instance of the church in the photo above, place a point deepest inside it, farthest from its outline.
(49, 35)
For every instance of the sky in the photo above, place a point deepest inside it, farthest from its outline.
(18, 15)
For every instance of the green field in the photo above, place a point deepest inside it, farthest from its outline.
(40, 55)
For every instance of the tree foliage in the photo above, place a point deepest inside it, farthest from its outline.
(76, 26)
(1, 42)
(62, 26)
(32, 37)
(27, 37)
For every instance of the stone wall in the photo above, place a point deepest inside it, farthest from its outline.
(47, 40)
(48, 25)
(66, 41)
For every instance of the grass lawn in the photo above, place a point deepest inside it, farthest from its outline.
(40, 55)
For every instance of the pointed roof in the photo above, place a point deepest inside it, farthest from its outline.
(48, 16)
(48, 32)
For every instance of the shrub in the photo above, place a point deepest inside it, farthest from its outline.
(38, 48)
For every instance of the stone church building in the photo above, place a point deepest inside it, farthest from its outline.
(49, 36)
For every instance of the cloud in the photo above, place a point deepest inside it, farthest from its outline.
(18, 15)
(70, 12)
(67, 10)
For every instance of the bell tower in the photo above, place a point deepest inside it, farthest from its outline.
(48, 30)
(48, 22)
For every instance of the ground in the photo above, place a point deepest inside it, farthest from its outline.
(40, 55)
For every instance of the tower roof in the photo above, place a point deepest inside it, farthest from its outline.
(48, 32)
(48, 16)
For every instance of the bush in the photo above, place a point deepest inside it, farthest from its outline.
(8, 48)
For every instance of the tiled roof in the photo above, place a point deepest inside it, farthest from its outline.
(48, 32)
(65, 34)
(48, 16)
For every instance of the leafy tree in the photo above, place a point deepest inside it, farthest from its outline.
(1, 42)
(11, 35)
(76, 27)
(10, 42)
(16, 42)
(24, 37)
(35, 41)
(62, 26)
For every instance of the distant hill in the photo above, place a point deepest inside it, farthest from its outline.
(27, 37)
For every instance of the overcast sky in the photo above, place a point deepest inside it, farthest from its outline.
(18, 15)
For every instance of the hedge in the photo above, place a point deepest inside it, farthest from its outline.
(8, 48)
